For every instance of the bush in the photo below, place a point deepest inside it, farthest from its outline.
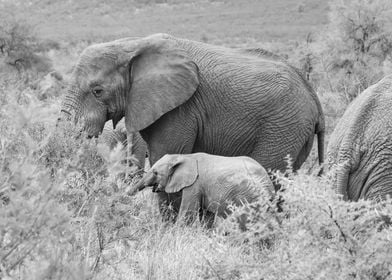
(22, 49)
(316, 236)
(61, 218)
(355, 46)
(55, 197)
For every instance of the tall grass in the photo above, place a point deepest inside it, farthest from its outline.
(61, 218)
(64, 215)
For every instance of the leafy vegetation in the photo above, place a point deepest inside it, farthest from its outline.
(63, 212)
(23, 51)
(356, 48)
(225, 21)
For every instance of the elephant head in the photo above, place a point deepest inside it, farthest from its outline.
(170, 174)
(141, 79)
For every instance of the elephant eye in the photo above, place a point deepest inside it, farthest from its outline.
(97, 91)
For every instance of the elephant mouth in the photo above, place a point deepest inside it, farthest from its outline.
(157, 188)
(92, 132)
(94, 127)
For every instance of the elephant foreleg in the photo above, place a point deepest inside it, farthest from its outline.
(169, 205)
(190, 205)
(169, 136)
(138, 148)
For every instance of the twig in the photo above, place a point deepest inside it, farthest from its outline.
(337, 224)
(21, 258)
(101, 246)
(89, 238)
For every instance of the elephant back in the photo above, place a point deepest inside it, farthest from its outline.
(366, 118)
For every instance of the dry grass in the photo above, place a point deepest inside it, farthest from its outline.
(61, 217)
(260, 20)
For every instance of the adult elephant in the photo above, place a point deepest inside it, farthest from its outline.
(360, 147)
(186, 97)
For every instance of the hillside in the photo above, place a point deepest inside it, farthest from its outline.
(249, 20)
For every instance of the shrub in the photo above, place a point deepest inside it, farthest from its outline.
(355, 45)
(316, 236)
(58, 210)
(22, 49)
(61, 218)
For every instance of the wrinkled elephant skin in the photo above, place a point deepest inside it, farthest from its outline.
(360, 147)
(208, 183)
(136, 149)
(186, 97)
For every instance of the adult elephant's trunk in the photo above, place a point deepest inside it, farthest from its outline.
(112, 137)
(342, 176)
(70, 108)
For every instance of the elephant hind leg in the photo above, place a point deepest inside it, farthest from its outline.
(303, 154)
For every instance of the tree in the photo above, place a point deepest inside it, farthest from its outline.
(22, 49)
(356, 43)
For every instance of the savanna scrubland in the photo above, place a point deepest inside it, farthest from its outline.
(63, 214)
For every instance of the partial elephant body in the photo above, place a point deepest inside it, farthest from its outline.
(186, 97)
(246, 104)
(136, 147)
(360, 148)
(208, 183)
(223, 181)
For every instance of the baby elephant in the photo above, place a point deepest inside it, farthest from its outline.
(208, 183)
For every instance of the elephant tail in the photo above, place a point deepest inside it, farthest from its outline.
(320, 146)
(320, 149)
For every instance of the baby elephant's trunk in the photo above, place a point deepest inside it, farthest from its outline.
(137, 187)
(147, 180)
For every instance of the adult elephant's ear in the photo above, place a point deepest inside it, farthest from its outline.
(162, 77)
(183, 173)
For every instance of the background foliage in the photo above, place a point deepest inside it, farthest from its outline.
(63, 214)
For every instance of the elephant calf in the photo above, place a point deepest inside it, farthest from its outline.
(207, 182)
(360, 147)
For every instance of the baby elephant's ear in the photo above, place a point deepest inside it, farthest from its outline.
(184, 173)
